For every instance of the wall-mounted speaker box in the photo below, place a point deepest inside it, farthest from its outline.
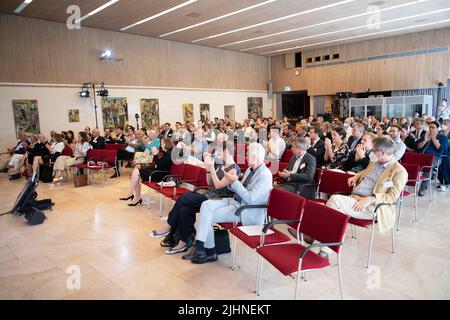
(289, 60)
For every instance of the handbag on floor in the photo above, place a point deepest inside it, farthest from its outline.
(80, 179)
(222, 240)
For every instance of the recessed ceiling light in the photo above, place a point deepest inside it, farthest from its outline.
(323, 23)
(181, 5)
(95, 11)
(351, 29)
(194, 15)
(22, 6)
(360, 36)
(218, 18)
(277, 19)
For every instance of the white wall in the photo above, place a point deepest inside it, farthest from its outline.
(54, 103)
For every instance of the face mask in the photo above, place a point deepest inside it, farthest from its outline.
(444, 127)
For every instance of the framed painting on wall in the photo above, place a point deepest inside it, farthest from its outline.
(74, 115)
(115, 112)
(150, 113)
(188, 112)
(204, 112)
(26, 116)
(255, 107)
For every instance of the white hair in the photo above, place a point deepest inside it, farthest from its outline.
(257, 150)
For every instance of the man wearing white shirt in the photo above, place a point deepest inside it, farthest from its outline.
(276, 145)
(399, 145)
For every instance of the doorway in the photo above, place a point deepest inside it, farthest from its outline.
(229, 111)
(295, 105)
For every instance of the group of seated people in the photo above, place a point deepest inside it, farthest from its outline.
(369, 148)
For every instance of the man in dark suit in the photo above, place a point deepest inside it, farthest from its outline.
(355, 138)
(120, 137)
(317, 147)
(167, 133)
(300, 170)
(97, 141)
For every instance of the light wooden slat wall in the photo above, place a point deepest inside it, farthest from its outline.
(36, 51)
(423, 71)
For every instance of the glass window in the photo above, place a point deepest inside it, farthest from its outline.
(394, 110)
(358, 111)
(374, 111)
(412, 109)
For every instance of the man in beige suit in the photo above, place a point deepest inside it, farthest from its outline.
(381, 182)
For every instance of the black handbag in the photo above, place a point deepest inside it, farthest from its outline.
(222, 240)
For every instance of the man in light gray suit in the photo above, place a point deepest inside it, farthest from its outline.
(253, 190)
(300, 170)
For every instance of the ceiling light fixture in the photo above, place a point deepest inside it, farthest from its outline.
(218, 18)
(181, 5)
(360, 36)
(324, 23)
(348, 29)
(277, 19)
(95, 11)
(22, 6)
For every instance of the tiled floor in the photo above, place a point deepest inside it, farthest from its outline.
(92, 230)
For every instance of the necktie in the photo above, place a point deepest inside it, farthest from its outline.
(245, 184)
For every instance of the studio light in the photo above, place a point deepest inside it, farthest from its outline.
(102, 92)
(84, 93)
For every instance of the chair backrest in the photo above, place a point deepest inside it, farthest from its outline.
(413, 172)
(109, 156)
(177, 169)
(95, 155)
(192, 172)
(422, 159)
(67, 151)
(284, 205)
(287, 155)
(114, 146)
(323, 223)
(332, 182)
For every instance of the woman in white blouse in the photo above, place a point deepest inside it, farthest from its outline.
(64, 162)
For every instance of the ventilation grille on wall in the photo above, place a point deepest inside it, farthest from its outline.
(383, 57)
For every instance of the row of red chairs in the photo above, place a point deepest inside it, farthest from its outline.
(98, 160)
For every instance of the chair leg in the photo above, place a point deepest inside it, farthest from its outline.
(415, 203)
(399, 214)
(393, 240)
(160, 204)
(233, 252)
(259, 276)
(340, 276)
(370, 246)
(297, 285)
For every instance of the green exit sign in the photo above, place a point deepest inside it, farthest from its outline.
(287, 88)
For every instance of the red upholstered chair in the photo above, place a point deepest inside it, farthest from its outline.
(413, 181)
(425, 161)
(114, 146)
(200, 182)
(332, 182)
(98, 160)
(320, 222)
(287, 155)
(282, 206)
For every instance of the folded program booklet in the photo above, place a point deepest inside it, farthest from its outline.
(167, 184)
(254, 230)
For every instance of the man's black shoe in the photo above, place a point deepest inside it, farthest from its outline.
(201, 257)
(15, 176)
(190, 254)
(421, 192)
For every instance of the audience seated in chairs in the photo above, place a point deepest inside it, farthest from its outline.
(355, 138)
(179, 229)
(300, 170)
(336, 152)
(108, 136)
(161, 162)
(380, 182)
(253, 190)
(119, 138)
(64, 162)
(195, 149)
